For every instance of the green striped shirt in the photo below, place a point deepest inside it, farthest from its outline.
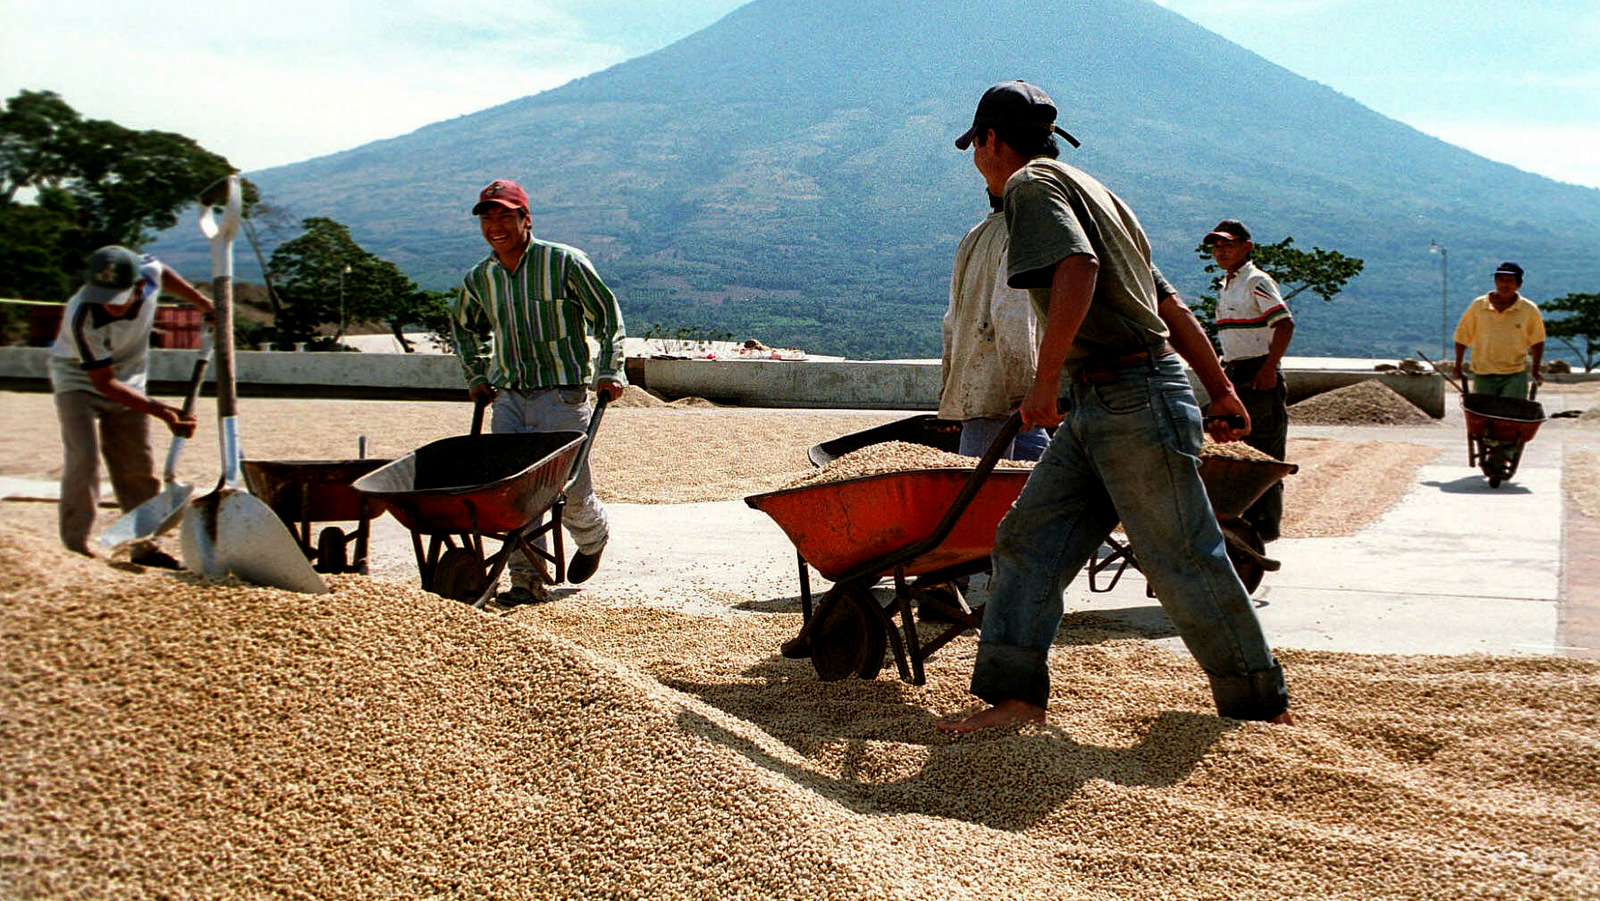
(530, 328)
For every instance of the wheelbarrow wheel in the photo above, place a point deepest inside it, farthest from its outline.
(1498, 460)
(847, 636)
(331, 543)
(459, 575)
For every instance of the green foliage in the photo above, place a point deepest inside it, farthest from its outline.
(323, 276)
(431, 310)
(1322, 272)
(1578, 326)
(69, 185)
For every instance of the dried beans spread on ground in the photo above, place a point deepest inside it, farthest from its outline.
(170, 737)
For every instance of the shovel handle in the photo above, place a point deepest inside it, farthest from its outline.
(197, 375)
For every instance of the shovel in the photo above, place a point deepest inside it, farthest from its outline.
(160, 513)
(229, 531)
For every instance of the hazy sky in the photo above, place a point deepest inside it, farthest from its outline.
(270, 82)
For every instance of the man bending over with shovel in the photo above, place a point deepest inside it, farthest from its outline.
(97, 370)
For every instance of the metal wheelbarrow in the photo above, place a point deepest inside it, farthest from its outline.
(1232, 484)
(930, 525)
(1497, 428)
(458, 491)
(307, 492)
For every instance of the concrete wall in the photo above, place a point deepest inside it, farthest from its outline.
(906, 385)
(914, 385)
(276, 374)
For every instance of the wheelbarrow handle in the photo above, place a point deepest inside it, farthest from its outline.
(1441, 372)
(578, 462)
(478, 403)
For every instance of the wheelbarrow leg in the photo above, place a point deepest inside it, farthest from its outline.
(523, 540)
(912, 653)
(805, 589)
(516, 542)
(1121, 557)
(305, 520)
(358, 561)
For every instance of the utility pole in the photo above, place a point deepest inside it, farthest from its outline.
(1444, 297)
(342, 273)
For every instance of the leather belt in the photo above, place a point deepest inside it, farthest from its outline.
(1104, 370)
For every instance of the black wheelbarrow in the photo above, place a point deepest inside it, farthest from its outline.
(1232, 484)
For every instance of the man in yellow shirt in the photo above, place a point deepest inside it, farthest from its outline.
(1504, 330)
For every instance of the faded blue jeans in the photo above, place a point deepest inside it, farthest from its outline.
(1127, 451)
(554, 410)
(978, 434)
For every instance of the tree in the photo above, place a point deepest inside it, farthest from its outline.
(1580, 322)
(69, 185)
(323, 276)
(431, 310)
(1322, 272)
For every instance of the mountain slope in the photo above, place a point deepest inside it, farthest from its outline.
(788, 173)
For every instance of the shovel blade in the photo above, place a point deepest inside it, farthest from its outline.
(154, 517)
(231, 532)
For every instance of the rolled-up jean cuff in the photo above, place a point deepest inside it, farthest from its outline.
(1261, 695)
(1006, 673)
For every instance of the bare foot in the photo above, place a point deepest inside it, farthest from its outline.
(1282, 719)
(1006, 713)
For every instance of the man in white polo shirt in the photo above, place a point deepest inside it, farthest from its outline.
(97, 369)
(1254, 327)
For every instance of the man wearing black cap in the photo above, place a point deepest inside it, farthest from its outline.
(1128, 447)
(541, 302)
(1254, 328)
(97, 370)
(1506, 334)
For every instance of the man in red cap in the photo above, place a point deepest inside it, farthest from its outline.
(539, 302)
(1129, 437)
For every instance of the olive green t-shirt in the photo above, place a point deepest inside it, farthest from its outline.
(1055, 211)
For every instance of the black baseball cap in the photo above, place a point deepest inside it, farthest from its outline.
(110, 275)
(1227, 230)
(1510, 268)
(1014, 103)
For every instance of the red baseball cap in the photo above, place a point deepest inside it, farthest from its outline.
(504, 193)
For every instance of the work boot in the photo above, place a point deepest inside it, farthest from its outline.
(583, 565)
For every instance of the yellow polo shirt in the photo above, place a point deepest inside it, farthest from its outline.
(1499, 341)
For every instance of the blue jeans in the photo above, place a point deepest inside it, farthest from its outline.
(978, 434)
(554, 410)
(1128, 451)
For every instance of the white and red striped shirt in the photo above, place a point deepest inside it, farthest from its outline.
(1247, 309)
